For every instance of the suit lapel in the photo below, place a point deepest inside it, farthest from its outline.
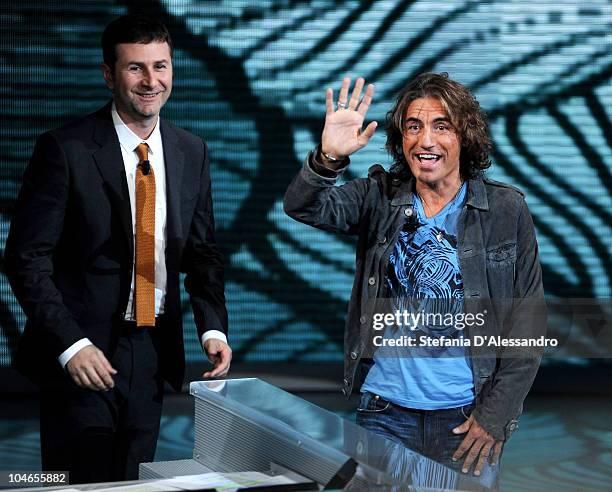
(174, 160)
(109, 161)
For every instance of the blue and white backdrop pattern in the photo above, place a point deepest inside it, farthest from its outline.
(250, 79)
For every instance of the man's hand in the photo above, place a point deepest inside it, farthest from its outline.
(220, 355)
(342, 134)
(89, 368)
(479, 442)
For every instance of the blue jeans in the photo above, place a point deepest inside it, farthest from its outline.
(427, 432)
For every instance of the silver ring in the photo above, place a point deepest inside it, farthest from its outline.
(342, 105)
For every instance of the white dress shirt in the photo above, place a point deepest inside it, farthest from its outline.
(128, 141)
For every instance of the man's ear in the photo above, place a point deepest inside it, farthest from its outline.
(107, 73)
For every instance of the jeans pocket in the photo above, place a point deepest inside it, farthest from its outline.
(466, 410)
(371, 403)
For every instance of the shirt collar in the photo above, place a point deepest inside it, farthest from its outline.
(129, 140)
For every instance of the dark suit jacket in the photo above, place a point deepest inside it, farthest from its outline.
(70, 249)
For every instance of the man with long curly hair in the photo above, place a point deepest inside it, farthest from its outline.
(435, 239)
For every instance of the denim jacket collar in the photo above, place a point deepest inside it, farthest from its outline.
(405, 194)
(477, 195)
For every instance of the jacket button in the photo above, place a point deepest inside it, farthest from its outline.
(371, 281)
(382, 240)
(362, 320)
(354, 355)
(408, 212)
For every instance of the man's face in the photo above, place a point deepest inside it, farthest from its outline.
(430, 142)
(142, 79)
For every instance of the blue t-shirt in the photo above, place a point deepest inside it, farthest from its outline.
(424, 277)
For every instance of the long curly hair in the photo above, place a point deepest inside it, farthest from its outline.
(464, 112)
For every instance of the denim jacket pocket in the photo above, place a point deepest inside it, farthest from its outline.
(501, 270)
(371, 403)
(503, 255)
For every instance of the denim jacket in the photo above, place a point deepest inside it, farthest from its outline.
(497, 252)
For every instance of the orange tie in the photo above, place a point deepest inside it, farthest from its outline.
(145, 240)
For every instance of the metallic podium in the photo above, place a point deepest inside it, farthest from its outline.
(250, 425)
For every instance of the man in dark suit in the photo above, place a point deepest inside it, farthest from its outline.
(112, 208)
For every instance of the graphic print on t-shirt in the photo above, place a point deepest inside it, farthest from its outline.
(424, 276)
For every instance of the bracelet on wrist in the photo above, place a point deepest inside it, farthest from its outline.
(330, 157)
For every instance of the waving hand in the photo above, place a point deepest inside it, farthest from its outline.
(343, 134)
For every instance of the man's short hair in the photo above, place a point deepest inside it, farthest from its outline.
(465, 114)
(132, 28)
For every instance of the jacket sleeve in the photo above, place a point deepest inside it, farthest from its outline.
(35, 231)
(203, 263)
(501, 403)
(315, 199)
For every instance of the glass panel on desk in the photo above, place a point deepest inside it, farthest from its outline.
(295, 417)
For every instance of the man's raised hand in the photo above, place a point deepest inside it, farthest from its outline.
(343, 134)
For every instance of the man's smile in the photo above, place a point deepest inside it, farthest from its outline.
(148, 95)
(427, 158)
